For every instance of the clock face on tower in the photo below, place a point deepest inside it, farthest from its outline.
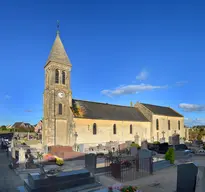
(61, 95)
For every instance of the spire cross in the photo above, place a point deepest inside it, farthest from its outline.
(58, 27)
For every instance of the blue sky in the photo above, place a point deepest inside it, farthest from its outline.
(121, 51)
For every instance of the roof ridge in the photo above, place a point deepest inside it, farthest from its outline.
(156, 105)
(103, 103)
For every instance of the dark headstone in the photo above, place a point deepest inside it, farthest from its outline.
(186, 177)
(60, 181)
(90, 162)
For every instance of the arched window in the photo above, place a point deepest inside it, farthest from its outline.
(169, 127)
(157, 124)
(179, 125)
(63, 77)
(60, 109)
(114, 129)
(56, 76)
(131, 129)
(94, 129)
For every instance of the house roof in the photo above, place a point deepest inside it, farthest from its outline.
(94, 110)
(21, 124)
(17, 124)
(161, 110)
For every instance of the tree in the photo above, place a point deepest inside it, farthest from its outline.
(3, 128)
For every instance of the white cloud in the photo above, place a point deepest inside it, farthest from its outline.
(191, 107)
(7, 97)
(142, 75)
(181, 83)
(130, 89)
(192, 122)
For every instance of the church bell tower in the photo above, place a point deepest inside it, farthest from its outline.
(58, 117)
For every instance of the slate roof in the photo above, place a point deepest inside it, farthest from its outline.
(161, 110)
(58, 53)
(94, 110)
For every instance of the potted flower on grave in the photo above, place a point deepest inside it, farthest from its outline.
(118, 188)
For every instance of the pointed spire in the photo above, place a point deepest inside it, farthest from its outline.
(58, 27)
(58, 53)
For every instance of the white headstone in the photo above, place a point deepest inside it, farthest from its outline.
(181, 141)
(21, 156)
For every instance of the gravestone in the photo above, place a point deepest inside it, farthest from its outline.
(90, 162)
(144, 154)
(46, 149)
(22, 159)
(186, 177)
(134, 151)
(81, 148)
(137, 138)
(175, 139)
(162, 140)
(181, 141)
(201, 179)
(72, 181)
(144, 144)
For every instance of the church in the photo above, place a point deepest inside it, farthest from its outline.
(68, 121)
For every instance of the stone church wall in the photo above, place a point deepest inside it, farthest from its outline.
(163, 126)
(84, 128)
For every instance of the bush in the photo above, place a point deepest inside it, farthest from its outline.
(135, 145)
(169, 156)
(156, 142)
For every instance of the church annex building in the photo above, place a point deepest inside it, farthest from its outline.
(68, 121)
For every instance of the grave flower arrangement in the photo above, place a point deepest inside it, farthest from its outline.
(121, 188)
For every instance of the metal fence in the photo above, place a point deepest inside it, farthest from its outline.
(128, 168)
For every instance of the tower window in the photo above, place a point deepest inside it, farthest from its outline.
(169, 127)
(179, 125)
(63, 77)
(94, 129)
(60, 109)
(56, 76)
(131, 129)
(114, 129)
(157, 124)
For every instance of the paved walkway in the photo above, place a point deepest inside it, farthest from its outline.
(9, 181)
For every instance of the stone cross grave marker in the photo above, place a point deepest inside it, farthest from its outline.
(186, 177)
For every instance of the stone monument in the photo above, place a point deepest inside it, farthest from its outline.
(137, 138)
(144, 144)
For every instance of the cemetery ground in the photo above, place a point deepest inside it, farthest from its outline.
(9, 181)
(160, 181)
